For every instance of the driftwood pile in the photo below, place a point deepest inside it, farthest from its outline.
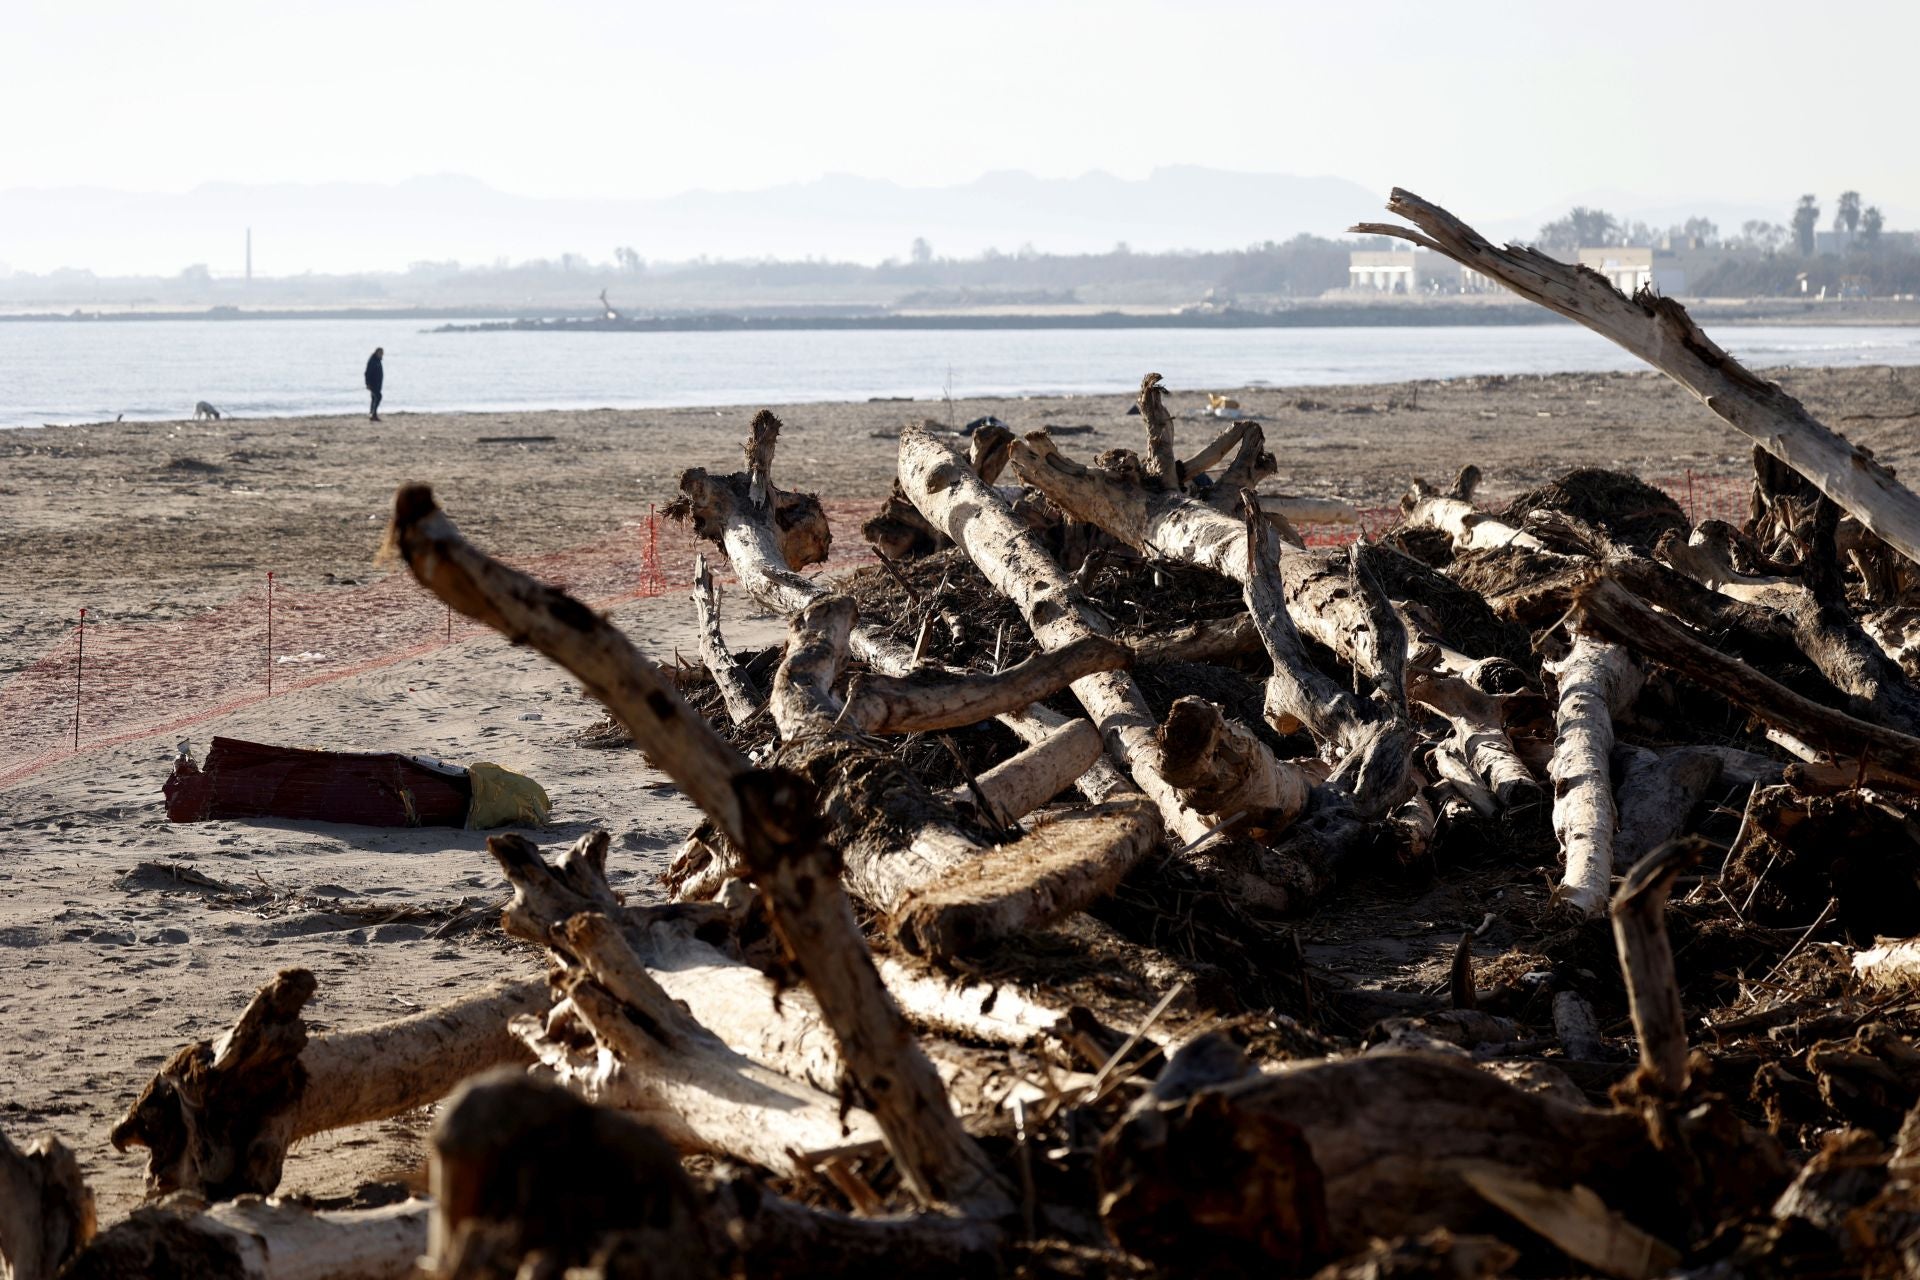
(988, 957)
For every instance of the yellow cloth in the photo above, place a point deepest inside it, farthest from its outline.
(503, 798)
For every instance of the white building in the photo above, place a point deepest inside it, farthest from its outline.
(1412, 271)
(1631, 268)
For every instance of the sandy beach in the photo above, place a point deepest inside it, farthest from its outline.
(107, 965)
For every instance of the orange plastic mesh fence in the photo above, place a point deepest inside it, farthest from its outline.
(132, 680)
(107, 683)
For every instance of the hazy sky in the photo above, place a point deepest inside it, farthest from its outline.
(1499, 108)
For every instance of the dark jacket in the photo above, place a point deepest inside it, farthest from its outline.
(375, 374)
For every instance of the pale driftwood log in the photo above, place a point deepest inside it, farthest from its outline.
(256, 1239)
(1023, 782)
(1161, 465)
(1646, 957)
(1454, 514)
(651, 1058)
(743, 701)
(1889, 965)
(1059, 867)
(978, 520)
(46, 1207)
(1657, 791)
(1707, 557)
(762, 435)
(1597, 680)
(1280, 593)
(1363, 1120)
(884, 1062)
(753, 546)
(1577, 1028)
(1479, 735)
(1608, 609)
(930, 700)
(1660, 332)
(897, 841)
(747, 1010)
(1215, 452)
(1222, 769)
(218, 1118)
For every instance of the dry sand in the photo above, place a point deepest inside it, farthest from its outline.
(103, 971)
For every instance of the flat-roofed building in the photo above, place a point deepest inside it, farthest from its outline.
(1418, 271)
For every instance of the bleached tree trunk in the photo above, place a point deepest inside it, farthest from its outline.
(1480, 735)
(1660, 332)
(218, 1118)
(978, 519)
(1023, 782)
(1596, 680)
(1646, 957)
(743, 701)
(1222, 769)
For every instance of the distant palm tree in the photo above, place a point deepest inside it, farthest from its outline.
(1848, 214)
(1871, 223)
(1805, 218)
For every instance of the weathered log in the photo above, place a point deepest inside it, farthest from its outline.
(650, 1057)
(753, 546)
(1646, 957)
(1390, 1137)
(521, 1166)
(46, 1207)
(1214, 453)
(1222, 769)
(1658, 789)
(1660, 331)
(1480, 735)
(256, 1239)
(1212, 640)
(743, 701)
(1161, 465)
(930, 700)
(803, 700)
(1706, 556)
(979, 520)
(1577, 1028)
(1608, 609)
(884, 1061)
(1173, 527)
(1596, 681)
(1023, 782)
(218, 1118)
(1059, 867)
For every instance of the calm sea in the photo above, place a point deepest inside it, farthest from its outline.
(89, 371)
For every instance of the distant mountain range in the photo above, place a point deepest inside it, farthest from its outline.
(342, 227)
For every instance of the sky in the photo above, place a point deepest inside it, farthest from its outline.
(1500, 109)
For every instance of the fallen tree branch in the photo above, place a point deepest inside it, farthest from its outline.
(46, 1207)
(218, 1118)
(1660, 332)
(1597, 681)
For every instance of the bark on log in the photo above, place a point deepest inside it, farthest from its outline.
(1059, 867)
(1390, 1136)
(1222, 769)
(803, 700)
(1659, 331)
(256, 1239)
(1646, 957)
(1577, 1028)
(1596, 681)
(46, 1207)
(736, 689)
(1608, 609)
(883, 1059)
(218, 1118)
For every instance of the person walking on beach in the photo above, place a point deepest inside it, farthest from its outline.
(376, 376)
